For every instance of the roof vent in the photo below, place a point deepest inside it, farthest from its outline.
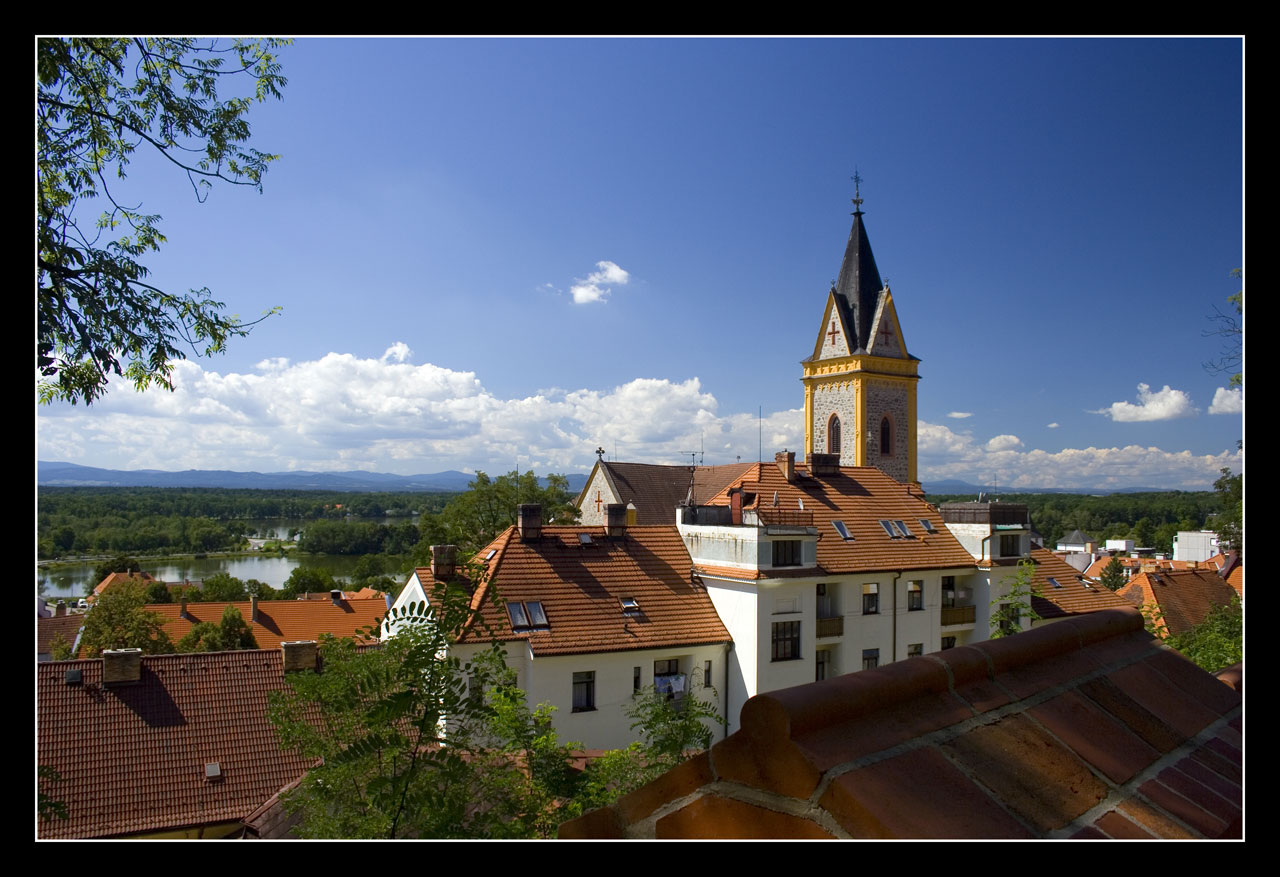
(212, 771)
(74, 677)
(121, 666)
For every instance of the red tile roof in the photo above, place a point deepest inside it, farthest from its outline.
(581, 588)
(1073, 597)
(47, 629)
(1137, 564)
(657, 490)
(278, 620)
(132, 757)
(1184, 596)
(117, 578)
(1083, 728)
(861, 497)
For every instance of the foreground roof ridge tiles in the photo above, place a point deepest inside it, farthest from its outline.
(1086, 728)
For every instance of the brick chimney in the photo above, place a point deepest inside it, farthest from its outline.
(530, 520)
(60, 609)
(121, 666)
(336, 596)
(824, 464)
(615, 517)
(299, 655)
(786, 461)
(444, 561)
(735, 506)
(182, 606)
(253, 608)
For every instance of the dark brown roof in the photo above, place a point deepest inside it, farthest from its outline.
(861, 497)
(132, 757)
(47, 629)
(1073, 597)
(657, 490)
(1086, 728)
(581, 588)
(1184, 596)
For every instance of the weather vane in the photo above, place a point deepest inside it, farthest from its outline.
(857, 189)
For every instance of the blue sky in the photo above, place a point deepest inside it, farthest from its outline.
(498, 251)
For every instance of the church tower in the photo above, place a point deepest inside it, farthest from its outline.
(860, 382)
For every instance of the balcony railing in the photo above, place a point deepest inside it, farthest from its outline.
(957, 615)
(785, 517)
(833, 626)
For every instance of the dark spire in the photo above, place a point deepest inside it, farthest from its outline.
(858, 286)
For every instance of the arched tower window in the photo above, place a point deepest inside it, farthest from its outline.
(833, 435)
(886, 437)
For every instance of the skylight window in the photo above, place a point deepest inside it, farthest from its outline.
(527, 615)
(888, 528)
(492, 552)
(842, 530)
(630, 606)
(584, 539)
(519, 618)
(928, 525)
(537, 616)
(1055, 582)
(902, 528)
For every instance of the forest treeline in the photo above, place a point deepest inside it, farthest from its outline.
(1150, 519)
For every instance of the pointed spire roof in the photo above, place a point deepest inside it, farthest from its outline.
(858, 288)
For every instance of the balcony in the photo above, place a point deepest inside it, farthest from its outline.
(833, 626)
(956, 615)
(784, 517)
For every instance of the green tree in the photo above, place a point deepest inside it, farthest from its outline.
(119, 620)
(48, 807)
(119, 563)
(59, 648)
(472, 519)
(98, 101)
(158, 592)
(1112, 577)
(222, 587)
(1217, 642)
(1008, 612)
(1229, 522)
(230, 634)
(307, 580)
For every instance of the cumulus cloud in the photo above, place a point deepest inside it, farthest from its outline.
(1165, 404)
(1227, 401)
(597, 285)
(1004, 443)
(1053, 425)
(960, 415)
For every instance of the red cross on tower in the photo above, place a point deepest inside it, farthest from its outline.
(833, 333)
(884, 332)
(598, 502)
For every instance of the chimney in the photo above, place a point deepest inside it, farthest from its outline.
(336, 596)
(253, 608)
(299, 655)
(735, 506)
(182, 609)
(823, 464)
(786, 461)
(631, 514)
(530, 518)
(615, 517)
(444, 561)
(121, 666)
(60, 609)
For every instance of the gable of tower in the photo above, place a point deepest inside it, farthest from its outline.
(833, 336)
(886, 333)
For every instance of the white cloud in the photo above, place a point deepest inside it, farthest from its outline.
(596, 285)
(1165, 404)
(1004, 443)
(1227, 401)
(1053, 425)
(960, 415)
(398, 352)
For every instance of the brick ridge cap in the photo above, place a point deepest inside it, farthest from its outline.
(801, 808)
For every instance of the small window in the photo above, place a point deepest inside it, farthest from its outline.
(888, 528)
(948, 592)
(915, 596)
(668, 667)
(833, 435)
(871, 599)
(842, 530)
(1010, 546)
(635, 679)
(706, 674)
(822, 660)
(904, 530)
(928, 525)
(1055, 582)
(492, 552)
(786, 552)
(584, 691)
(519, 619)
(537, 616)
(886, 438)
(915, 650)
(584, 539)
(786, 640)
(870, 659)
(948, 642)
(630, 606)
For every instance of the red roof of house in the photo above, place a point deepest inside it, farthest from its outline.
(1086, 728)
(1070, 596)
(581, 588)
(1184, 596)
(117, 578)
(132, 757)
(656, 490)
(279, 620)
(861, 497)
(66, 626)
(1136, 564)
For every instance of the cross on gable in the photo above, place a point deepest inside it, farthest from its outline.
(884, 332)
(598, 502)
(833, 333)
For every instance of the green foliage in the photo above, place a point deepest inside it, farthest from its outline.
(98, 101)
(307, 580)
(472, 519)
(118, 620)
(119, 563)
(1217, 642)
(59, 648)
(669, 727)
(158, 592)
(48, 807)
(1008, 612)
(222, 587)
(1229, 523)
(232, 633)
(1112, 577)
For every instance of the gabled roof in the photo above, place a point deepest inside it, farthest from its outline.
(278, 620)
(117, 578)
(1184, 596)
(861, 497)
(132, 757)
(66, 626)
(1075, 537)
(581, 588)
(656, 490)
(1086, 728)
(1073, 597)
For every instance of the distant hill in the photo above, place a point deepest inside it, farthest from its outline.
(951, 486)
(74, 475)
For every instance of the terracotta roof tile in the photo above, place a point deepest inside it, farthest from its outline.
(65, 626)
(279, 620)
(132, 757)
(1073, 597)
(117, 578)
(1131, 741)
(581, 588)
(1184, 596)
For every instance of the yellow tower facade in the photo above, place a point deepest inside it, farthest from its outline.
(860, 381)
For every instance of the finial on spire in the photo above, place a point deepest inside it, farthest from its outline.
(857, 191)
(600, 453)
